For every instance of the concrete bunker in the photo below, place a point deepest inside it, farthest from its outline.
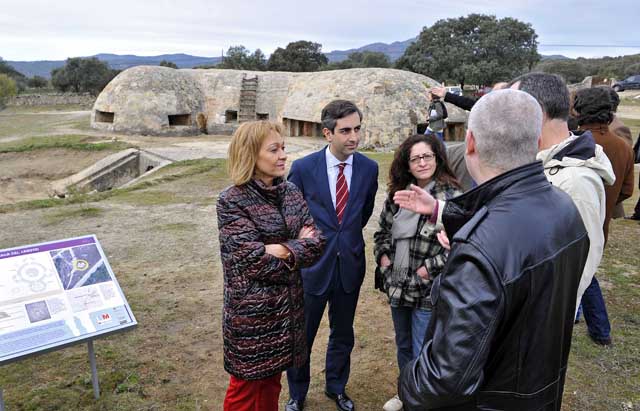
(179, 119)
(115, 171)
(150, 101)
(104, 116)
(160, 101)
(296, 128)
(231, 116)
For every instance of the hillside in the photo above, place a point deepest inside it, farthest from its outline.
(119, 62)
(394, 50)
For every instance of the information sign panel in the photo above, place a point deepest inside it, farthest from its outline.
(55, 294)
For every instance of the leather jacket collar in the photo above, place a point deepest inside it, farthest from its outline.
(459, 210)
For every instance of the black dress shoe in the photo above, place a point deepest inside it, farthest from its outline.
(343, 402)
(294, 405)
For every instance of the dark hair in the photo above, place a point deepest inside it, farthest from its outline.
(572, 123)
(593, 106)
(615, 98)
(550, 90)
(336, 110)
(400, 175)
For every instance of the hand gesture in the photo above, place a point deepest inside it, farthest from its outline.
(415, 199)
(438, 91)
(443, 239)
(384, 261)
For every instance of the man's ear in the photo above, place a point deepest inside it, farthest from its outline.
(327, 134)
(470, 142)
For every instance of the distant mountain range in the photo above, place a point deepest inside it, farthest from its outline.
(115, 61)
(120, 62)
(394, 50)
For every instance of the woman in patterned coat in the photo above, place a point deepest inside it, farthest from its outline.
(406, 248)
(266, 236)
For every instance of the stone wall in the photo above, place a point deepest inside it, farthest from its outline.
(82, 99)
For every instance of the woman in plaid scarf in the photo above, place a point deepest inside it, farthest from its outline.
(407, 250)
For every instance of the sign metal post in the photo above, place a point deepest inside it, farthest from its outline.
(94, 371)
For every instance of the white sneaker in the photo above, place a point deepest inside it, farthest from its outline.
(394, 404)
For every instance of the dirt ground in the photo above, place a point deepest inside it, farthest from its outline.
(28, 176)
(162, 243)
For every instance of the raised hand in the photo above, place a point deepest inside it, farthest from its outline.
(438, 91)
(415, 199)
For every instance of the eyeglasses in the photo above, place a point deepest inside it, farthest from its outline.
(426, 157)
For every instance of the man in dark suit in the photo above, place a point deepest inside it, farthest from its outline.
(339, 186)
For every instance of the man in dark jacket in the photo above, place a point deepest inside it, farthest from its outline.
(500, 333)
(465, 103)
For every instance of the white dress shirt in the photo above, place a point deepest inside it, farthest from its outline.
(332, 172)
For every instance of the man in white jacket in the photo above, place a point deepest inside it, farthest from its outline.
(572, 162)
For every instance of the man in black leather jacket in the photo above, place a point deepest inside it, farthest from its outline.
(500, 332)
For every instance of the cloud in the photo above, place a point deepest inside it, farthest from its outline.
(34, 29)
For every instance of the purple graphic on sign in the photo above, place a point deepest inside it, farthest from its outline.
(46, 247)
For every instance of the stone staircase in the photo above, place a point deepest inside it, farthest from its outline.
(248, 92)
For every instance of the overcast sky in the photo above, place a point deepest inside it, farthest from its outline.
(55, 30)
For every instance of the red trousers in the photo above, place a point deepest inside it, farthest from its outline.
(256, 395)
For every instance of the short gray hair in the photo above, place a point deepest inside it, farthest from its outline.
(506, 125)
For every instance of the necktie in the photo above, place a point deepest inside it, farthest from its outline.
(342, 192)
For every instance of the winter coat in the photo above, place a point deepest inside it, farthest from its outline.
(502, 322)
(621, 157)
(263, 315)
(579, 167)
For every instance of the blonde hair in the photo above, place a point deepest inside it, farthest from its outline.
(244, 148)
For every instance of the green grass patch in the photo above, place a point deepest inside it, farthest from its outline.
(608, 378)
(80, 124)
(384, 162)
(23, 123)
(69, 142)
(149, 198)
(186, 169)
(72, 213)
(62, 108)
